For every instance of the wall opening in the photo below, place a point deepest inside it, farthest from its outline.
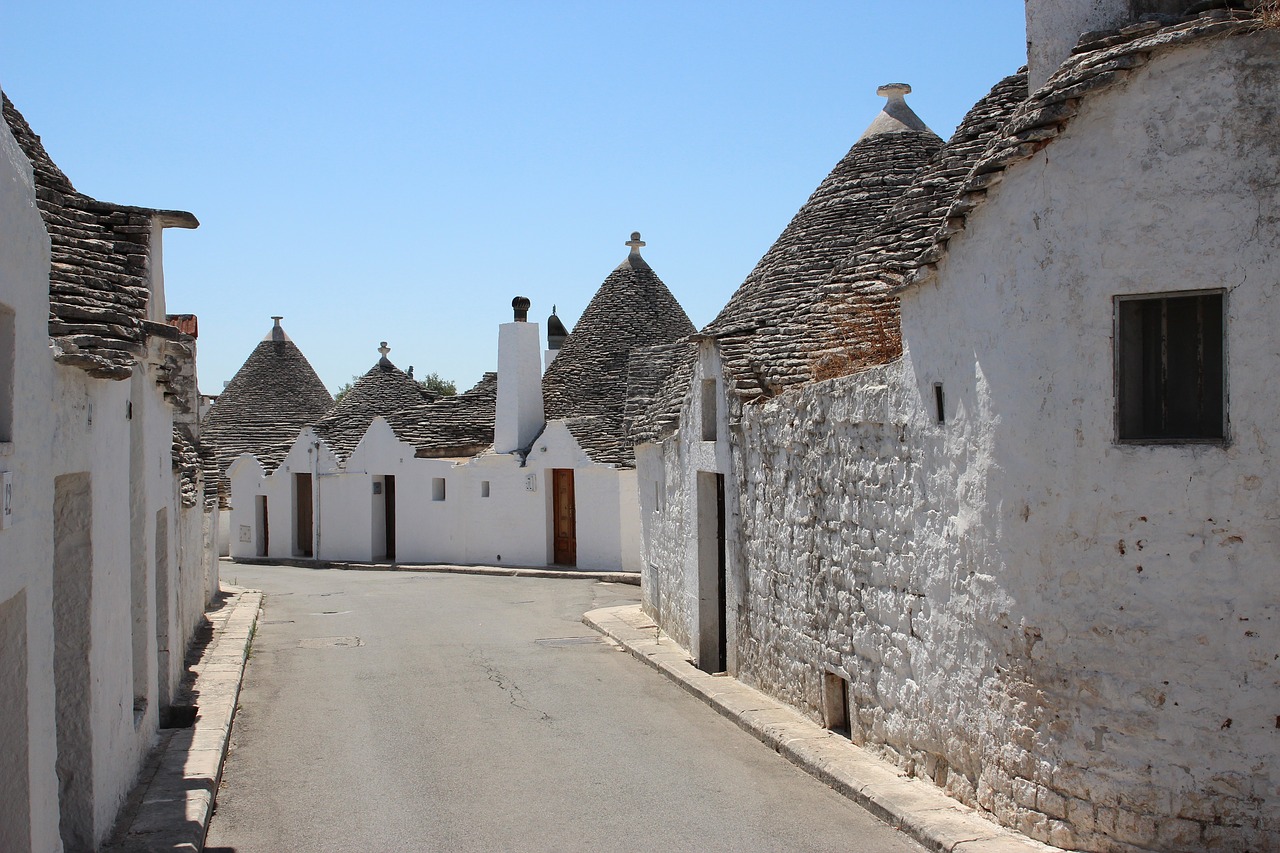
(484, 488)
(139, 589)
(302, 517)
(835, 703)
(263, 542)
(72, 640)
(8, 360)
(712, 640)
(1169, 363)
(564, 521)
(437, 488)
(710, 410)
(162, 608)
(15, 777)
(939, 404)
(389, 516)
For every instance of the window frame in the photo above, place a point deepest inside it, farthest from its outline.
(1117, 355)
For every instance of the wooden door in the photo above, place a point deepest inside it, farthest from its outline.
(565, 523)
(302, 500)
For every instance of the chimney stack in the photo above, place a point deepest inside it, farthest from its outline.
(520, 305)
(518, 418)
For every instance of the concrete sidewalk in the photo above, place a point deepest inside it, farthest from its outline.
(565, 573)
(917, 808)
(170, 806)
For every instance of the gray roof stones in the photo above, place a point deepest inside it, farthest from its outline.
(632, 310)
(852, 321)
(762, 342)
(100, 256)
(383, 391)
(267, 403)
(460, 425)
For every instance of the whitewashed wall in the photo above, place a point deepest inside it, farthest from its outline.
(509, 526)
(28, 784)
(1077, 636)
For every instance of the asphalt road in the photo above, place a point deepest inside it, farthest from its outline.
(387, 711)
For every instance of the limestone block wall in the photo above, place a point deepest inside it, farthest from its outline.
(1076, 635)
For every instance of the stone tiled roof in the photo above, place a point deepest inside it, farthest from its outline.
(650, 369)
(461, 425)
(761, 345)
(853, 321)
(271, 398)
(588, 379)
(100, 253)
(186, 462)
(1100, 61)
(384, 390)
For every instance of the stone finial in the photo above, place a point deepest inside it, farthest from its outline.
(521, 307)
(383, 349)
(894, 91)
(896, 116)
(277, 331)
(635, 243)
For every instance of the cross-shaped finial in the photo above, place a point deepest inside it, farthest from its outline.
(635, 242)
(384, 349)
(553, 308)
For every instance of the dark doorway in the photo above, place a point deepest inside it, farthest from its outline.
(564, 525)
(302, 500)
(713, 642)
(389, 513)
(264, 527)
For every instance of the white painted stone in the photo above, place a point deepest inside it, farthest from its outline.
(1075, 635)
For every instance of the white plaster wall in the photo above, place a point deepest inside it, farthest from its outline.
(667, 475)
(247, 479)
(26, 553)
(1054, 27)
(1076, 636)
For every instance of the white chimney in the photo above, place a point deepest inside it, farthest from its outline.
(519, 406)
(1054, 27)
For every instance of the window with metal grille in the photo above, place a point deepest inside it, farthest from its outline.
(1170, 362)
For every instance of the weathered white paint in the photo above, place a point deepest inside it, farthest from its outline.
(26, 550)
(117, 436)
(519, 405)
(1074, 635)
(1055, 26)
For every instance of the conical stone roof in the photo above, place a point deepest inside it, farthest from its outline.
(762, 349)
(271, 398)
(384, 390)
(588, 379)
(840, 212)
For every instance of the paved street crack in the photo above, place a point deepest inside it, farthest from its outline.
(514, 694)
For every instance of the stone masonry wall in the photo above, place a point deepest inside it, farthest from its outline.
(1077, 636)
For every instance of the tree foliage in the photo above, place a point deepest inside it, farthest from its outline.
(432, 382)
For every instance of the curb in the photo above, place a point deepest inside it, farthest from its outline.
(632, 578)
(917, 808)
(173, 802)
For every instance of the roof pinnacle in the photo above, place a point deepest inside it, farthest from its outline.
(277, 331)
(635, 242)
(896, 116)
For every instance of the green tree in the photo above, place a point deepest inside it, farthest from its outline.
(434, 382)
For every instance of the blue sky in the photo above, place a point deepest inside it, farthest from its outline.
(399, 171)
